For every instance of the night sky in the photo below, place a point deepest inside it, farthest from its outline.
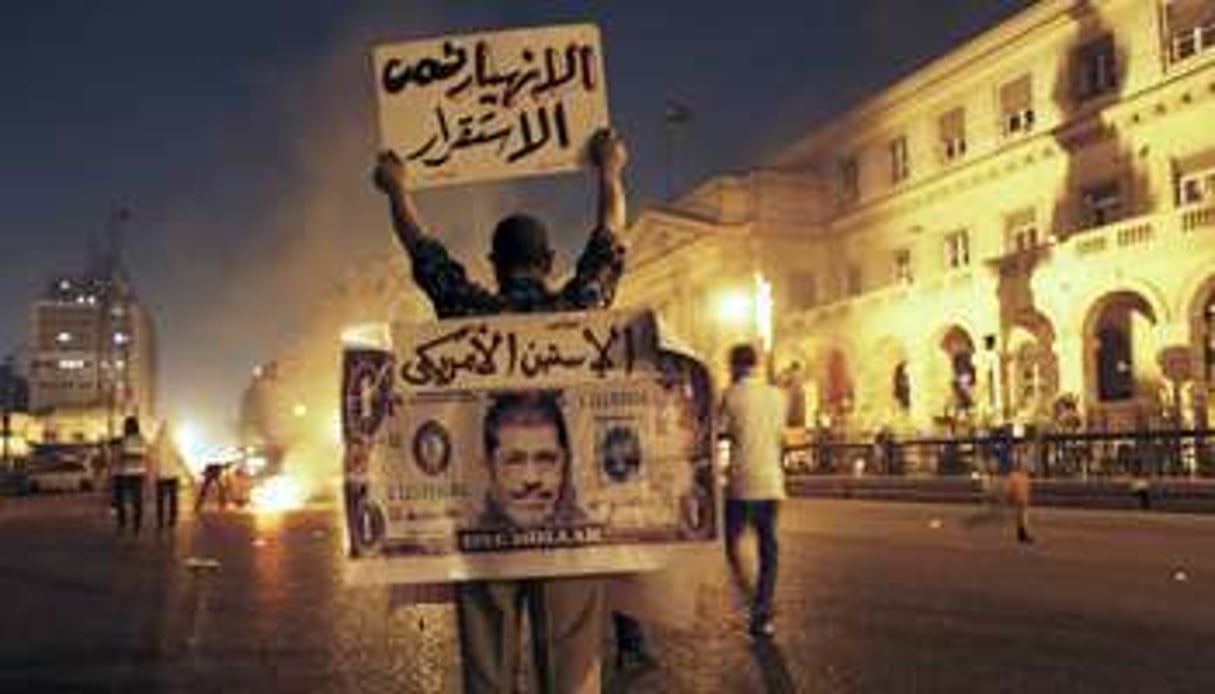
(240, 134)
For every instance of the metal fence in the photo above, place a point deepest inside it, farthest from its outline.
(1159, 453)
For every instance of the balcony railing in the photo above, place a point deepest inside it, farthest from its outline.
(1142, 230)
(1198, 218)
(1091, 245)
(1134, 234)
(1122, 234)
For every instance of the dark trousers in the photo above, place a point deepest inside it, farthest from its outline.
(566, 617)
(212, 479)
(761, 515)
(128, 490)
(166, 503)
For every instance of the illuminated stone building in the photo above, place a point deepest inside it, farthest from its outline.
(1028, 217)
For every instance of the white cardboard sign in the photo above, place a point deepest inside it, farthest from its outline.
(489, 106)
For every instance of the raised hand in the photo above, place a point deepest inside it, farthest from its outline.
(389, 174)
(607, 151)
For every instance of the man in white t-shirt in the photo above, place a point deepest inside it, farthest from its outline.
(753, 415)
(130, 471)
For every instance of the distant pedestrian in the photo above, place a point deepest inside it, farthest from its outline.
(753, 415)
(1010, 485)
(885, 451)
(169, 466)
(213, 479)
(130, 472)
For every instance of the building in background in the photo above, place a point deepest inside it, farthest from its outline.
(14, 387)
(1025, 221)
(15, 423)
(91, 355)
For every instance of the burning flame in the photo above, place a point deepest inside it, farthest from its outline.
(277, 494)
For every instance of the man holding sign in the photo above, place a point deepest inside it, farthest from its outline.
(565, 613)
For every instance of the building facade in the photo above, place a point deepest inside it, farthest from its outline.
(1026, 222)
(92, 357)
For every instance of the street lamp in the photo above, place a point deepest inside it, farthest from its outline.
(752, 309)
(675, 116)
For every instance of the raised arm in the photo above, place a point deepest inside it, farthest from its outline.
(609, 155)
(602, 260)
(389, 177)
(440, 277)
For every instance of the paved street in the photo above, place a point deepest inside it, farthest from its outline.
(873, 597)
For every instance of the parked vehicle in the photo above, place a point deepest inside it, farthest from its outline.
(58, 476)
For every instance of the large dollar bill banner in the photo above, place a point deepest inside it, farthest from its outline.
(523, 446)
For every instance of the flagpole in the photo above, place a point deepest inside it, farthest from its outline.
(669, 131)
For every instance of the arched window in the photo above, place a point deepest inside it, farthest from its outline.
(963, 379)
(839, 384)
(1115, 370)
(959, 350)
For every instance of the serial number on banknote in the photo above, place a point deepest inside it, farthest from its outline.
(614, 399)
(426, 492)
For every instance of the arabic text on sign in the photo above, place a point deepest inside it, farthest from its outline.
(478, 350)
(480, 108)
(573, 65)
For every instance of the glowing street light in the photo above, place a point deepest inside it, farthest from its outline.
(750, 310)
(734, 307)
(743, 308)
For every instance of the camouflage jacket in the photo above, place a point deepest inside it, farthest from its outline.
(453, 294)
